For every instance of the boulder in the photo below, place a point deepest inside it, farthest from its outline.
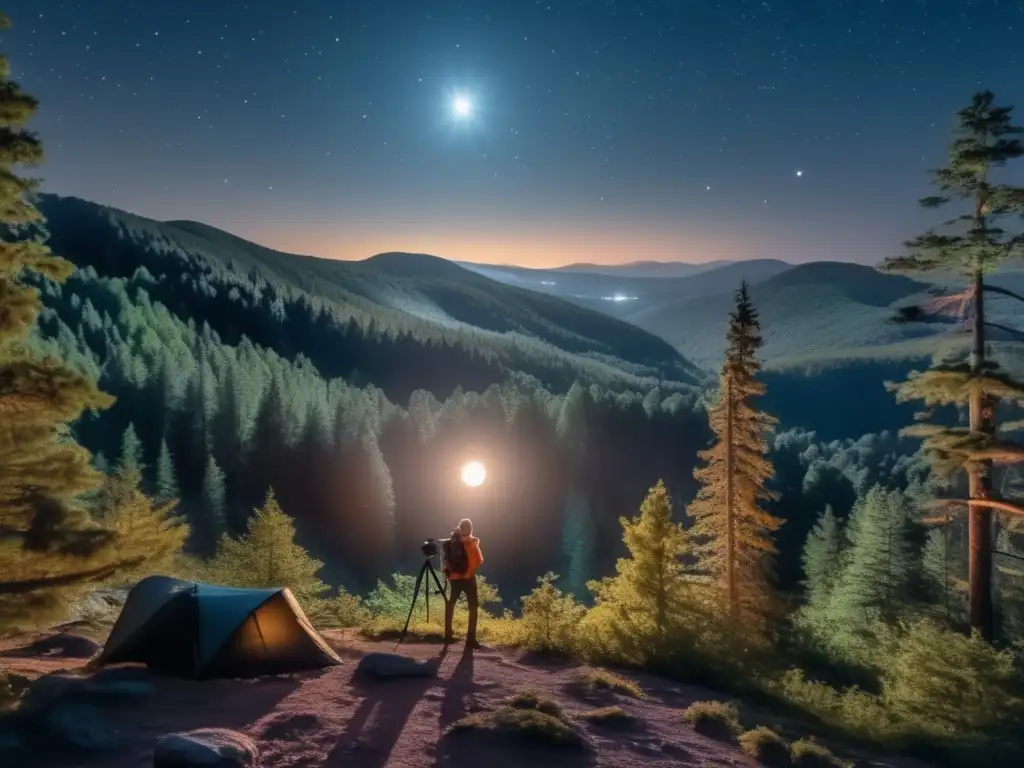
(389, 666)
(108, 687)
(82, 726)
(206, 748)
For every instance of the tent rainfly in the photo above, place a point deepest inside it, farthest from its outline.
(188, 629)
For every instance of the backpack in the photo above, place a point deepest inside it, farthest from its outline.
(455, 557)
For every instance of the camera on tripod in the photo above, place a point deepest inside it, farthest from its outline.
(430, 548)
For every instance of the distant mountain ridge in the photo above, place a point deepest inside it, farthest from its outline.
(648, 268)
(397, 294)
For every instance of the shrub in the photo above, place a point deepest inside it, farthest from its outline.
(807, 753)
(550, 619)
(765, 746)
(609, 717)
(525, 727)
(714, 719)
(943, 685)
(532, 700)
(338, 612)
(594, 681)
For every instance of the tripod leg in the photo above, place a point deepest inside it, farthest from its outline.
(441, 590)
(412, 606)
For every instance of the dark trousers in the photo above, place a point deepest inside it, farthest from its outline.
(461, 587)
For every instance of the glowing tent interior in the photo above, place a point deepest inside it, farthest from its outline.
(188, 629)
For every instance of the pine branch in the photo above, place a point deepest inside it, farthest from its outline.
(1003, 506)
(988, 287)
(67, 579)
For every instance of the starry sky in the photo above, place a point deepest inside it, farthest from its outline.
(599, 130)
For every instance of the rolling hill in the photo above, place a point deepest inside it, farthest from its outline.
(397, 294)
(623, 295)
(658, 269)
(812, 310)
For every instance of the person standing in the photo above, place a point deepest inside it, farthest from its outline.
(462, 558)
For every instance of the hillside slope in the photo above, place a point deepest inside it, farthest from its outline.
(623, 295)
(406, 296)
(810, 310)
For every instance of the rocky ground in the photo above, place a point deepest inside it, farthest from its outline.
(336, 717)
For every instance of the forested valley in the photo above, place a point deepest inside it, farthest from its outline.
(160, 383)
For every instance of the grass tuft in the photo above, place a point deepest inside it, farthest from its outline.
(609, 717)
(589, 682)
(765, 746)
(807, 753)
(714, 719)
(533, 700)
(524, 727)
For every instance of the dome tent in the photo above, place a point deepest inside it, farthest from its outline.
(194, 630)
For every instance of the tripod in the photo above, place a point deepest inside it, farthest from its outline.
(428, 568)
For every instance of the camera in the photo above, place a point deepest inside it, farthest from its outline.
(429, 548)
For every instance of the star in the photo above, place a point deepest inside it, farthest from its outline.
(462, 106)
(799, 174)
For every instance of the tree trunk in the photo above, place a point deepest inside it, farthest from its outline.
(730, 524)
(982, 417)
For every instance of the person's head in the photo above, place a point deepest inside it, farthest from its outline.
(466, 527)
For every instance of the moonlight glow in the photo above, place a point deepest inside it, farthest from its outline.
(462, 107)
(473, 474)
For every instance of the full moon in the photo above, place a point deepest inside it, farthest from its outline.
(473, 474)
(462, 106)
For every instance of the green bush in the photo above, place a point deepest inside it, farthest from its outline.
(590, 682)
(550, 619)
(714, 719)
(533, 700)
(524, 727)
(807, 753)
(609, 717)
(765, 746)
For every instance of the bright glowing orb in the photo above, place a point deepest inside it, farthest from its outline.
(462, 106)
(473, 474)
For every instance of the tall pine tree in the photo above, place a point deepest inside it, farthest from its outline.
(973, 244)
(822, 558)
(166, 478)
(47, 540)
(878, 568)
(651, 596)
(732, 531)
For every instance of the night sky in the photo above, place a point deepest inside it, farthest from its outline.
(599, 130)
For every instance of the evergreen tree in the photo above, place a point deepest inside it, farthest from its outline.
(732, 531)
(166, 478)
(822, 558)
(214, 523)
(267, 556)
(46, 540)
(578, 543)
(942, 566)
(879, 565)
(149, 537)
(650, 597)
(972, 244)
(131, 449)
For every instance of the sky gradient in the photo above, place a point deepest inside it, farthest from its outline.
(602, 130)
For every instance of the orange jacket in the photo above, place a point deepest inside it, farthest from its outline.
(473, 555)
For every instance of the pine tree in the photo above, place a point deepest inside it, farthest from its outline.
(822, 558)
(166, 478)
(879, 564)
(578, 543)
(732, 531)
(267, 556)
(214, 523)
(942, 567)
(149, 537)
(47, 541)
(131, 449)
(972, 244)
(651, 596)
